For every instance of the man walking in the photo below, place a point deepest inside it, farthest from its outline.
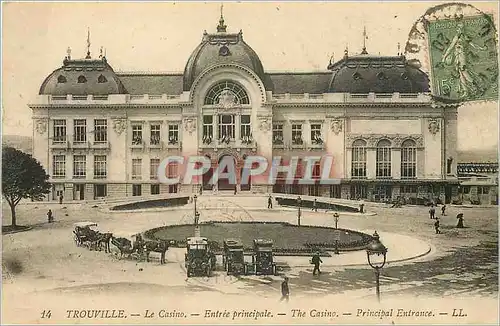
(50, 217)
(443, 210)
(436, 226)
(316, 260)
(432, 212)
(270, 202)
(315, 207)
(285, 291)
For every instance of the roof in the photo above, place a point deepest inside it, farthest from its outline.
(221, 48)
(300, 82)
(83, 77)
(366, 73)
(263, 242)
(153, 84)
(233, 243)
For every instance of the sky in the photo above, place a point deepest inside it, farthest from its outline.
(159, 37)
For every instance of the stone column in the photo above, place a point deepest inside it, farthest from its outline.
(396, 163)
(371, 163)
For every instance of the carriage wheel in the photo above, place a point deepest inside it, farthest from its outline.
(75, 238)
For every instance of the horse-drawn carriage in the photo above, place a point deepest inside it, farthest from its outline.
(134, 245)
(87, 235)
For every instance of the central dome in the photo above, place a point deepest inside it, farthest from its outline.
(221, 48)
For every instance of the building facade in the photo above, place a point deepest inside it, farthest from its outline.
(100, 133)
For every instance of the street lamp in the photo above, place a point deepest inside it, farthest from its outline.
(374, 250)
(299, 203)
(196, 219)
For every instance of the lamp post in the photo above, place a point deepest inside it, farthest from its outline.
(196, 219)
(299, 203)
(374, 250)
(336, 216)
(337, 234)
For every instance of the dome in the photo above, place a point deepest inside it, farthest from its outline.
(377, 74)
(83, 77)
(221, 48)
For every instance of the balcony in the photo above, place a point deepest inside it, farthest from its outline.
(80, 145)
(101, 145)
(63, 145)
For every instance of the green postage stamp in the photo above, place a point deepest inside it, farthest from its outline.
(463, 58)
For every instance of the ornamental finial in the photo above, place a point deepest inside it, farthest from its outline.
(88, 44)
(365, 37)
(221, 28)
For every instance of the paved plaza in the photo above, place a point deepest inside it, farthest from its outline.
(44, 261)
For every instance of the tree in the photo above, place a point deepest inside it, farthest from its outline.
(22, 177)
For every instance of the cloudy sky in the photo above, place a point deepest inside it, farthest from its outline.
(161, 36)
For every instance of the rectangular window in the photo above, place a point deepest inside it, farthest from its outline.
(100, 166)
(173, 134)
(483, 190)
(137, 169)
(208, 129)
(172, 189)
(297, 134)
(358, 192)
(100, 130)
(226, 127)
(155, 134)
(278, 133)
(59, 131)
(80, 129)
(172, 170)
(316, 137)
(383, 162)
(408, 163)
(358, 169)
(316, 172)
(136, 190)
(59, 166)
(79, 166)
(154, 163)
(155, 189)
(245, 129)
(466, 189)
(100, 190)
(136, 135)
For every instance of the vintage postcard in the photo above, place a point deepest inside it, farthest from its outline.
(250, 162)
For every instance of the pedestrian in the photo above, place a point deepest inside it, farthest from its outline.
(285, 290)
(50, 218)
(235, 189)
(201, 190)
(315, 207)
(460, 223)
(436, 226)
(316, 260)
(362, 207)
(60, 199)
(336, 217)
(270, 202)
(443, 210)
(432, 212)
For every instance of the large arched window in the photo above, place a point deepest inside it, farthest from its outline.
(358, 165)
(226, 93)
(408, 159)
(384, 159)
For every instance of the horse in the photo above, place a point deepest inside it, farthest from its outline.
(160, 246)
(104, 239)
(124, 245)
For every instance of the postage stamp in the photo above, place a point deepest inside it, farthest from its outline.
(463, 54)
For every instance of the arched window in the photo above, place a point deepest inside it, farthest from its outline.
(82, 79)
(384, 159)
(61, 79)
(358, 165)
(408, 159)
(101, 79)
(226, 93)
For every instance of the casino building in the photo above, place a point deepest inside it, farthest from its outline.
(100, 133)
